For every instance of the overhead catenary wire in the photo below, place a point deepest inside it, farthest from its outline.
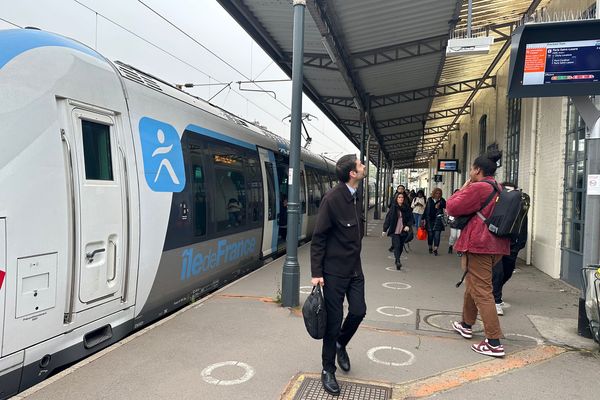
(170, 54)
(326, 136)
(11, 23)
(221, 59)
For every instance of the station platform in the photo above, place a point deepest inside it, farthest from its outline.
(239, 343)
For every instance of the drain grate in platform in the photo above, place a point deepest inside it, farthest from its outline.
(312, 389)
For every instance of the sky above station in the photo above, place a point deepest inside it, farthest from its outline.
(183, 41)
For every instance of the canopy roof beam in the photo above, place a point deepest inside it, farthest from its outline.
(324, 17)
(413, 119)
(434, 130)
(414, 95)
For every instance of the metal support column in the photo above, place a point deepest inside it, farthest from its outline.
(377, 184)
(366, 183)
(290, 290)
(363, 134)
(591, 240)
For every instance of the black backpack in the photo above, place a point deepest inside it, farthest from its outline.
(510, 212)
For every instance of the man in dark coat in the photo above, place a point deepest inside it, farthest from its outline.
(335, 265)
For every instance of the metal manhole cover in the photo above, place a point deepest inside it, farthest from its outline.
(441, 321)
(311, 389)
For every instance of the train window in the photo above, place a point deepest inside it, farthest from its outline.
(254, 191)
(199, 193)
(325, 184)
(302, 192)
(96, 151)
(271, 190)
(334, 179)
(314, 191)
(238, 187)
(198, 188)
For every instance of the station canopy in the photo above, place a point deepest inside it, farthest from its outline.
(385, 62)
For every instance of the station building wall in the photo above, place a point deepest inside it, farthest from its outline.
(542, 148)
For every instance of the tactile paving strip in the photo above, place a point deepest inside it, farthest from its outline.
(312, 389)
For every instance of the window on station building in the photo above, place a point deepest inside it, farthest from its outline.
(513, 138)
(482, 134)
(575, 186)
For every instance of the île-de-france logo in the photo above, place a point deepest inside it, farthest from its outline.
(163, 157)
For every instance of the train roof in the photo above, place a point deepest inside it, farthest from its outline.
(140, 77)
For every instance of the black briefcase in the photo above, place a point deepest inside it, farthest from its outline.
(315, 316)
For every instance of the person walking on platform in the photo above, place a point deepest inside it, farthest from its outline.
(400, 189)
(418, 206)
(454, 233)
(434, 219)
(481, 251)
(398, 222)
(504, 269)
(336, 265)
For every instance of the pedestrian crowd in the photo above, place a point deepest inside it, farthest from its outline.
(488, 228)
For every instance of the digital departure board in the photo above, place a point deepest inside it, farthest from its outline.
(447, 165)
(555, 59)
(562, 62)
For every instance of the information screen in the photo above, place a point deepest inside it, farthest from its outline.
(448, 165)
(555, 59)
(562, 62)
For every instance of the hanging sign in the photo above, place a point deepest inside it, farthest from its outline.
(593, 187)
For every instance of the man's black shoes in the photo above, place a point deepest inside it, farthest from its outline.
(398, 265)
(342, 357)
(391, 249)
(330, 383)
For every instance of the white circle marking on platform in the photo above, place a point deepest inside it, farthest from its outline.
(391, 285)
(406, 313)
(392, 269)
(207, 373)
(306, 289)
(537, 340)
(371, 355)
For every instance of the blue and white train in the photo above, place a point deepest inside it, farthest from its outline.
(122, 198)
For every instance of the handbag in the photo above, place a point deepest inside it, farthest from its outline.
(409, 236)
(314, 313)
(421, 233)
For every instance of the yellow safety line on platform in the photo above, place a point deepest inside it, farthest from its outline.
(448, 380)
(472, 373)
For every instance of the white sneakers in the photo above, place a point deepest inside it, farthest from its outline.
(499, 309)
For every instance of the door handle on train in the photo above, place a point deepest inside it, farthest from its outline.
(90, 256)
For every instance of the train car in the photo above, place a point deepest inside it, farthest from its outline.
(122, 199)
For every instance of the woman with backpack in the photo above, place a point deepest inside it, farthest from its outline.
(481, 251)
(433, 218)
(398, 224)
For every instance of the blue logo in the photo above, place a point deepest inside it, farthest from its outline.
(196, 263)
(163, 157)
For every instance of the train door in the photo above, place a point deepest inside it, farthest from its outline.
(272, 205)
(99, 195)
(282, 163)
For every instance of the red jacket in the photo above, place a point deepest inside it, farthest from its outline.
(475, 237)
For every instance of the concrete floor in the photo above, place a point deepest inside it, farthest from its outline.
(258, 349)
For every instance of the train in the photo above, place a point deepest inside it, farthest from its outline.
(122, 199)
